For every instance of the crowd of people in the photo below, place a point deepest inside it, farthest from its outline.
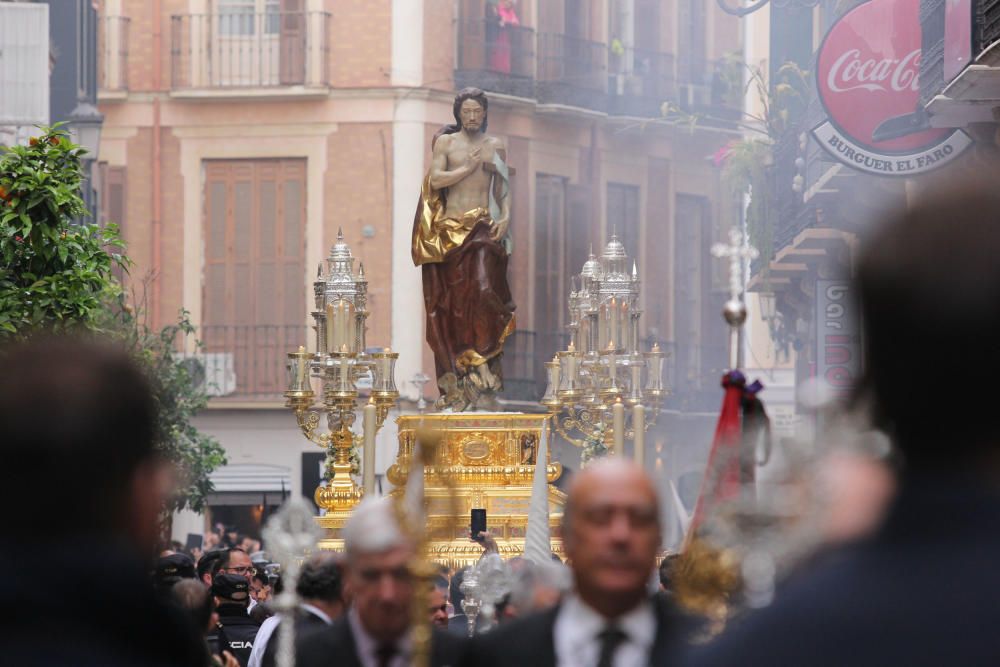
(84, 489)
(360, 603)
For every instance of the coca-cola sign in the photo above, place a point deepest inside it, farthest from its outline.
(867, 72)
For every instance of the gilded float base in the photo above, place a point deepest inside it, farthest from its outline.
(485, 460)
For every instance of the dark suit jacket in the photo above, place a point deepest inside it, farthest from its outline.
(925, 590)
(334, 646)
(529, 642)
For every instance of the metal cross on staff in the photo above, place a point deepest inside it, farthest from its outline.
(735, 311)
(290, 534)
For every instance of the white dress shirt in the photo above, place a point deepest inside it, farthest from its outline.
(366, 645)
(577, 628)
(267, 629)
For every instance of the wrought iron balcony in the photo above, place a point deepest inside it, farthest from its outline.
(639, 81)
(572, 72)
(496, 59)
(238, 49)
(712, 89)
(112, 53)
(245, 363)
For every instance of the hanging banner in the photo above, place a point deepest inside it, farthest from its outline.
(867, 73)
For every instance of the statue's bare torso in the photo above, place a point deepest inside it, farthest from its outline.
(462, 167)
(473, 191)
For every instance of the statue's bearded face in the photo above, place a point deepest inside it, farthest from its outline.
(472, 115)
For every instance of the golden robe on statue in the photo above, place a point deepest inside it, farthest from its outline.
(468, 303)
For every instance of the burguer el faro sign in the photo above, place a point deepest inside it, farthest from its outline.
(867, 72)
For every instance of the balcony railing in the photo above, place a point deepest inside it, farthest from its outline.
(242, 363)
(572, 71)
(112, 49)
(249, 50)
(496, 59)
(712, 89)
(944, 55)
(639, 81)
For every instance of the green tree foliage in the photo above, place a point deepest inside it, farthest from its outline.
(59, 276)
(180, 395)
(55, 276)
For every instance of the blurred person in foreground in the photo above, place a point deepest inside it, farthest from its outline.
(84, 490)
(922, 589)
(197, 601)
(235, 630)
(320, 588)
(376, 631)
(611, 534)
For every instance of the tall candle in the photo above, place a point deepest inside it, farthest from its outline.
(639, 427)
(331, 329)
(300, 367)
(344, 336)
(618, 426)
(349, 327)
(345, 373)
(368, 453)
(613, 323)
(602, 327)
(626, 329)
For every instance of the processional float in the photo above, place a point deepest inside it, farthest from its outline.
(600, 388)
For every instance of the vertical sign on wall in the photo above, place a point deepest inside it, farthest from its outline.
(838, 338)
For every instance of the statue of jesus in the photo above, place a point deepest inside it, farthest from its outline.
(460, 240)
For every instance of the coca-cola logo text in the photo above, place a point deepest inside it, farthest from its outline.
(850, 72)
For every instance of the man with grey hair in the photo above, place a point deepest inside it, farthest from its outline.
(611, 533)
(376, 631)
(320, 588)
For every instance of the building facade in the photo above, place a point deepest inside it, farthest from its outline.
(241, 135)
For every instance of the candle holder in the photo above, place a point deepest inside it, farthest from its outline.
(339, 363)
(596, 387)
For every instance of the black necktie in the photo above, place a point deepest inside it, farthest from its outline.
(611, 638)
(384, 654)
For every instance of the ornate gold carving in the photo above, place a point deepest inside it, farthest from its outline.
(488, 458)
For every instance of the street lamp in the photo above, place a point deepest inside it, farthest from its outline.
(85, 123)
